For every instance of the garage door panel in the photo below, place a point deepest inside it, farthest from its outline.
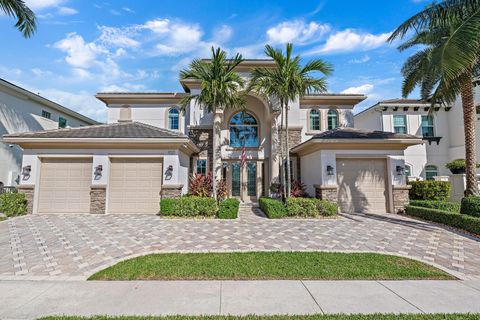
(362, 185)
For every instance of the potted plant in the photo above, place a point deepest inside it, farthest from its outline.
(458, 166)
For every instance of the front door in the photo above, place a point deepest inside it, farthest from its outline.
(252, 180)
(236, 185)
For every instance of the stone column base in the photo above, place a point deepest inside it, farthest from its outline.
(326, 192)
(29, 192)
(401, 198)
(98, 197)
(171, 190)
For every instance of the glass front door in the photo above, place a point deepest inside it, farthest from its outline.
(251, 179)
(236, 183)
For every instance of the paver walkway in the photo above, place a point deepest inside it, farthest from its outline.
(75, 246)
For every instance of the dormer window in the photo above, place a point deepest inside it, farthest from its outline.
(314, 120)
(173, 119)
(428, 129)
(332, 119)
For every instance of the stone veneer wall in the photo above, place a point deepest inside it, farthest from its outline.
(325, 192)
(28, 191)
(294, 137)
(98, 197)
(400, 198)
(203, 139)
(171, 191)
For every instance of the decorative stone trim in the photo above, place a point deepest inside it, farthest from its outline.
(400, 198)
(98, 196)
(326, 192)
(171, 190)
(29, 191)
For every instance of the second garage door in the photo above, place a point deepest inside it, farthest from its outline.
(362, 185)
(135, 185)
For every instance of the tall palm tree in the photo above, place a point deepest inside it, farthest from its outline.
(221, 88)
(26, 20)
(287, 82)
(447, 63)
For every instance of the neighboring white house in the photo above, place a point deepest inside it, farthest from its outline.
(149, 148)
(24, 111)
(441, 128)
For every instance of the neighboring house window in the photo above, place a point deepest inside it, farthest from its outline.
(427, 126)
(62, 122)
(408, 171)
(332, 119)
(243, 131)
(400, 123)
(430, 172)
(173, 119)
(46, 114)
(202, 166)
(314, 120)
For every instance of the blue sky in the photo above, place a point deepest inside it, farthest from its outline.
(83, 47)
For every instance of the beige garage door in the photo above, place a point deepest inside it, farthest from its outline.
(362, 185)
(135, 185)
(65, 185)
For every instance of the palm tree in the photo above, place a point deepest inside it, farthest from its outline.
(287, 82)
(446, 64)
(26, 20)
(220, 89)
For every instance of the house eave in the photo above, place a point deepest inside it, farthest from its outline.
(141, 97)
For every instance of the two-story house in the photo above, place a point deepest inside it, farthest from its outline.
(149, 148)
(24, 111)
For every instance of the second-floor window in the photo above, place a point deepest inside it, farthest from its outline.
(314, 120)
(62, 122)
(46, 114)
(332, 119)
(173, 119)
(428, 129)
(400, 123)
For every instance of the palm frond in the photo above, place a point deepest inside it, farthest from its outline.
(26, 20)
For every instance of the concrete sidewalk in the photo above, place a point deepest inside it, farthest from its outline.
(32, 299)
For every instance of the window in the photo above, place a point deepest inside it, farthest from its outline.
(427, 126)
(62, 122)
(314, 120)
(430, 172)
(400, 123)
(332, 119)
(173, 117)
(202, 166)
(46, 114)
(408, 171)
(243, 131)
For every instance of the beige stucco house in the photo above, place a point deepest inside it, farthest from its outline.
(149, 148)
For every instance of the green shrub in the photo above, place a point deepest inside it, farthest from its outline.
(440, 205)
(457, 220)
(13, 204)
(272, 208)
(228, 209)
(327, 208)
(302, 207)
(430, 190)
(471, 206)
(188, 206)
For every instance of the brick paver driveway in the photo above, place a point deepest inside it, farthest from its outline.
(75, 246)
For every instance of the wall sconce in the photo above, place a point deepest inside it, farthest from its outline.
(26, 172)
(400, 170)
(330, 170)
(169, 172)
(98, 172)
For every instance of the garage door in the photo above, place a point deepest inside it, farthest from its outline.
(135, 185)
(65, 185)
(362, 185)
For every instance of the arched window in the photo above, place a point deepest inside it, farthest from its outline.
(243, 131)
(173, 119)
(314, 120)
(332, 119)
(430, 172)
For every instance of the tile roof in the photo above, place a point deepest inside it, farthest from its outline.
(352, 133)
(402, 101)
(113, 130)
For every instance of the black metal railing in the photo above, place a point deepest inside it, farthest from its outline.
(8, 189)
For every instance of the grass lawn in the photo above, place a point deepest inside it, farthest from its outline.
(270, 265)
(312, 317)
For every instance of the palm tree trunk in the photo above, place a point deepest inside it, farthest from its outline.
(282, 162)
(214, 154)
(287, 154)
(469, 113)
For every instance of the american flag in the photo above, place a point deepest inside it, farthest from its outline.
(242, 162)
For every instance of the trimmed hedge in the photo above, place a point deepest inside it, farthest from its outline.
(228, 209)
(470, 206)
(457, 220)
(297, 207)
(13, 204)
(188, 206)
(440, 205)
(429, 190)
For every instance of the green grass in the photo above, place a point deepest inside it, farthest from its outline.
(270, 265)
(312, 317)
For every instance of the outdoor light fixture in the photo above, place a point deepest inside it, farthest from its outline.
(98, 172)
(169, 172)
(400, 170)
(330, 170)
(26, 170)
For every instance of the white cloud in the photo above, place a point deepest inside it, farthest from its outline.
(297, 31)
(158, 25)
(127, 9)
(222, 34)
(66, 11)
(42, 4)
(363, 89)
(79, 53)
(119, 37)
(360, 60)
(41, 73)
(350, 40)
